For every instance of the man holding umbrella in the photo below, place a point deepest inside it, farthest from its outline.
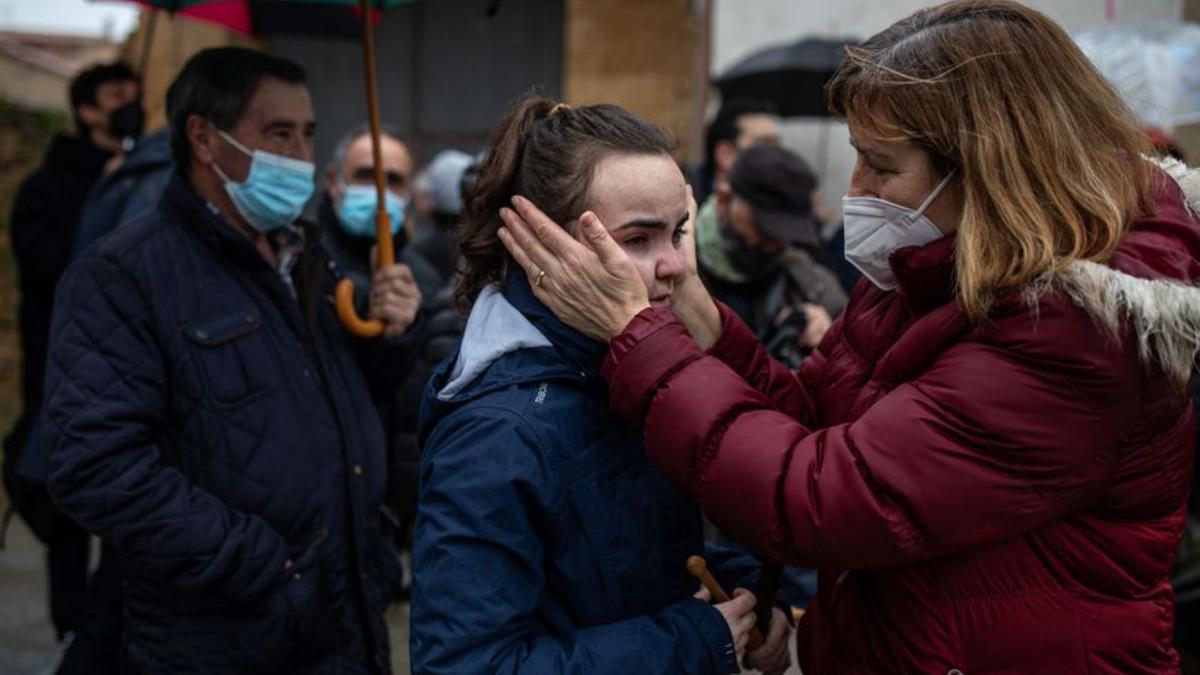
(207, 414)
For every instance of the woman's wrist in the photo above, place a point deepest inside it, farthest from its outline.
(698, 311)
(626, 316)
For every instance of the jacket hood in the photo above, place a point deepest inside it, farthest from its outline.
(511, 339)
(495, 328)
(151, 152)
(1150, 282)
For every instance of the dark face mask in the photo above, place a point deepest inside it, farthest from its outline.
(751, 262)
(126, 123)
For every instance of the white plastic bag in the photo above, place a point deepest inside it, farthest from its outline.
(1155, 66)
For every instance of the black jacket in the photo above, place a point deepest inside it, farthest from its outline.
(44, 219)
(428, 341)
(206, 428)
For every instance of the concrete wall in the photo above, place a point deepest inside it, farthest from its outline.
(172, 42)
(447, 71)
(740, 27)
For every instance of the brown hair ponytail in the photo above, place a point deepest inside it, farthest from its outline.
(545, 151)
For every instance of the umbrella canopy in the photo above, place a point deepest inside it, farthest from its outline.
(791, 76)
(313, 18)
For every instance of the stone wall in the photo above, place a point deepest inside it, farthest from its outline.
(174, 41)
(647, 56)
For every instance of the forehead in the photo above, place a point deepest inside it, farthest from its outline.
(394, 154)
(758, 125)
(870, 136)
(113, 87)
(638, 187)
(275, 99)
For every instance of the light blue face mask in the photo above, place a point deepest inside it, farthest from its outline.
(274, 192)
(356, 212)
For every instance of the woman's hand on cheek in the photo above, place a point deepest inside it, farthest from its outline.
(589, 283)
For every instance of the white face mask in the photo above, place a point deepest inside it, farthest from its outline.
(876, 228)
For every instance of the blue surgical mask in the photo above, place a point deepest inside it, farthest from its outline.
(356, 212)
(274, 192)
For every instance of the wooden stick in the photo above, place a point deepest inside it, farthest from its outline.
(385, 254)
(699, 569)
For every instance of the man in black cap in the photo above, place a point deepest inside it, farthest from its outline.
(759, 249)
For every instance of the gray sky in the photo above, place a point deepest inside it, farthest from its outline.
(82, 17)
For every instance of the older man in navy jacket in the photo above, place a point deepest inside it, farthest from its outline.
(207, 415)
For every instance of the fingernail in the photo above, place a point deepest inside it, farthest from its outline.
(502, 232)
(516, 200)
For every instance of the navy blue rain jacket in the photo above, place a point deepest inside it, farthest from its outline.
(198, 423)
(133, 189)
(545, 541)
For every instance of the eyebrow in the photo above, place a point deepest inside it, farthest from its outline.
(650, 224)
(868, 151)
(288, 124)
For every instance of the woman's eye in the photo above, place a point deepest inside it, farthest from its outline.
(639, 240)
(678, 236)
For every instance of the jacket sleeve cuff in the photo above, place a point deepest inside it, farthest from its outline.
(714, 633)
(653, 346)
(736, 346)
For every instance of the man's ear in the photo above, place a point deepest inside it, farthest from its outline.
(724, 152)
(330, 181)
(202, 139)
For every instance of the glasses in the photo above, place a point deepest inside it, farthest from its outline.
(365, 175)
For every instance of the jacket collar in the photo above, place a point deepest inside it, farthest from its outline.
(77, 155)
(582, 351)
(352, 253)
(204, 220)
(925, 275)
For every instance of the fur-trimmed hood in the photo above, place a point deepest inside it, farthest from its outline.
(1150, 283)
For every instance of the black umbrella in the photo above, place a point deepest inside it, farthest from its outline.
(791, 76)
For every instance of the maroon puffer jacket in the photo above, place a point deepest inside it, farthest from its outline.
(1006, 497)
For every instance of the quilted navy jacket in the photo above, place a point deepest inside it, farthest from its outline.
(546, 542)
(206, 429)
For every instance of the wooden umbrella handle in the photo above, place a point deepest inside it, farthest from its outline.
(344, 294)
(386, 255)
(699, 569)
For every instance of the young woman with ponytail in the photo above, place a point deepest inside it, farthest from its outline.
(545, 541)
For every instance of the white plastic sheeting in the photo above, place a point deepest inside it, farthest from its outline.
(1155, 66)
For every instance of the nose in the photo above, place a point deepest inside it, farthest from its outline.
(670, 266)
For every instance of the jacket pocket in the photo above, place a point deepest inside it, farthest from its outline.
(231, 355)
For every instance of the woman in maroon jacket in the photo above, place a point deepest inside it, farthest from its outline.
(989, 455)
